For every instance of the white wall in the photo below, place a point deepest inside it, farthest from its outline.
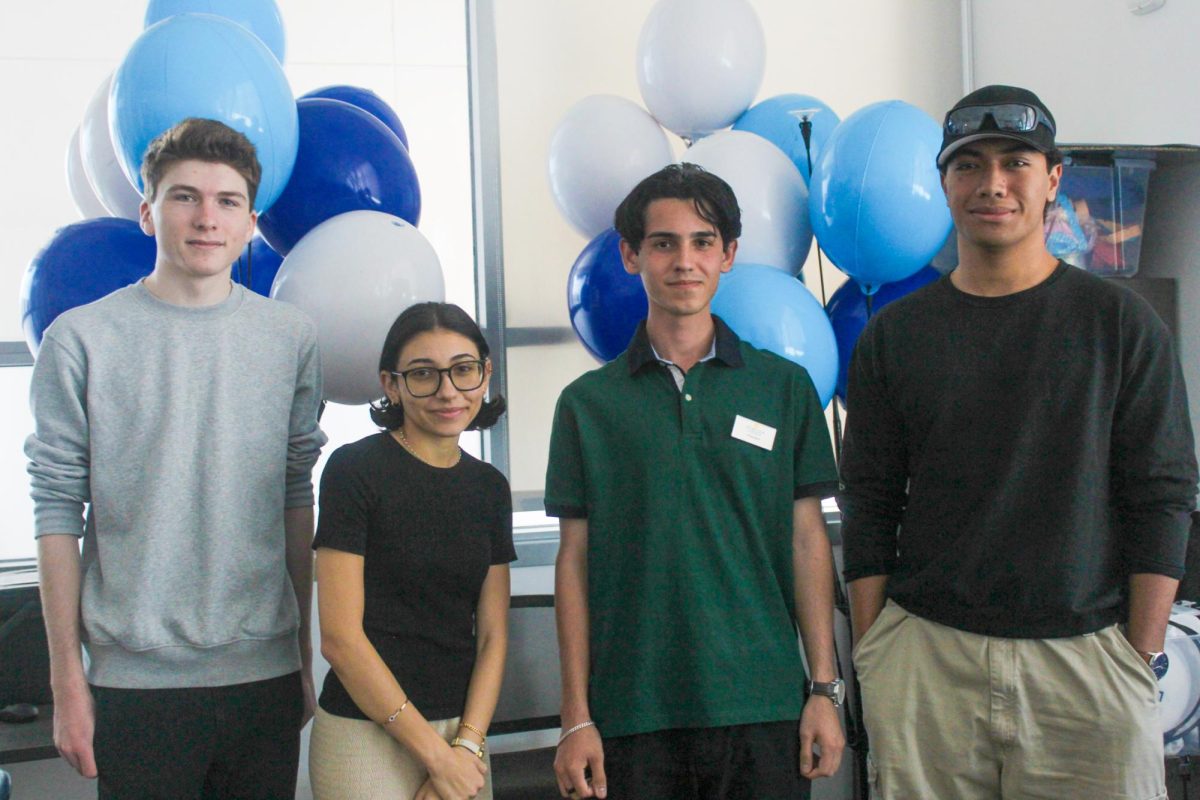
(54, 53)
(1109, 76)
(552, 53)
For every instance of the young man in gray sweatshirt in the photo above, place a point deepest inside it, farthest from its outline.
(181, 413)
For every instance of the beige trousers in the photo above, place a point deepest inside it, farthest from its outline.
(354, 759)
(957, 716)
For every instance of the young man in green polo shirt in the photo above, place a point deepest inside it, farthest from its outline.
(688, 475)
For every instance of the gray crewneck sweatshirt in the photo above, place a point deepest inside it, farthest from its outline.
(186, 432)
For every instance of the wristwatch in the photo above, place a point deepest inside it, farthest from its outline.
(467, 744)
(1157, 661)
(834, 690)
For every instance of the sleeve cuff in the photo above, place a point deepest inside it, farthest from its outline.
(562, 510)
(820, 489)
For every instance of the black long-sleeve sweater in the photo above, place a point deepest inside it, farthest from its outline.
(1010, 461)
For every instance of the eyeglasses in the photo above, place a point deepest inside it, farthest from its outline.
(426, 381)
(1012, 117)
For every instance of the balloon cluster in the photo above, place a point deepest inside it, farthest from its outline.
(338, 202)
(867, 187)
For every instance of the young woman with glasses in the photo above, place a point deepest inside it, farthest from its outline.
(413, 546)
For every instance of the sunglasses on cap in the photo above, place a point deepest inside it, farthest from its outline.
(1012, 117)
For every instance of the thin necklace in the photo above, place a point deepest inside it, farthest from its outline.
(404, 442)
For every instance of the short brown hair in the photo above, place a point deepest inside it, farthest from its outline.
(197, 139)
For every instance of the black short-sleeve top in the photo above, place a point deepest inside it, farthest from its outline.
(428, 537)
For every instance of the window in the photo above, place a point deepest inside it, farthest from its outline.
(413, 54)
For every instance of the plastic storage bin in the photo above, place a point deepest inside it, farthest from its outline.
(1098, 218)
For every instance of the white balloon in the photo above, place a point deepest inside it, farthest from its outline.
(601, 149)
(88, 205)
(700, 63)
(771, 194)
(354, 274)
(100, 161)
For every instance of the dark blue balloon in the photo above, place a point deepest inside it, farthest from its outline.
(347, 161)
(605, 302)
(847, 311)
(256, 266)
(82, 263)
(368, 101)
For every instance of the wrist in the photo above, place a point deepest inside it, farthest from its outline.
(471, 733)
(574, 714)
(474, 748)
(68, 681)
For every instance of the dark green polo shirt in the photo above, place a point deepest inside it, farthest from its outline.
(690, 589)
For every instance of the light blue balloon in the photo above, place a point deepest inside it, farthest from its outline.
(260, 17)
(777, 119)
(774, 311)
(200, 65)
(875, 200)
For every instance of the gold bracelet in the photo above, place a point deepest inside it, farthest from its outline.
(392, 717)
(473, 729)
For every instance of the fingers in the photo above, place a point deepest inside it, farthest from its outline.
(821, 754)
(599, 781)
(572, 780)
(807, 757)
(831, 756)
(80, 757)
(577, 785)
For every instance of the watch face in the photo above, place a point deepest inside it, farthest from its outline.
(1159, 663)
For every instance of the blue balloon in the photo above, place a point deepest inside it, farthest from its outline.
(876, 202)
(774, 311)
(82, 263)
(347, 161)
(777, 119)
(605, 302)
(256, 267)
(847, 310)
(200, 65)
(260, 17)
(368, 101)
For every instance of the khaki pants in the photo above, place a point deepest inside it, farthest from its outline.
(955, 716)
(354, 759)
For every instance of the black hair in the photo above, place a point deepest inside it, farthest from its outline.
(714, 200)
(418, 319)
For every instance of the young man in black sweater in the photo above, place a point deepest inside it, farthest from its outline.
(1017, 477)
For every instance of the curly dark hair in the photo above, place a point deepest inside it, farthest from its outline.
(714, 200)
(417, 319)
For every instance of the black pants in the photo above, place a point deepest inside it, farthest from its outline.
(240, 741)
(739, 762)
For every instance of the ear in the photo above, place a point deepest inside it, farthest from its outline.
(388, 381)
(487, 374)
(1055, 180)
(730, 252)
(145, 218)
(253, 226)
(629, 258)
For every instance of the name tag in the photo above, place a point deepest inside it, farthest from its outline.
(751, 432)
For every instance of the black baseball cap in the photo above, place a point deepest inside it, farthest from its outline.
(1006, 112)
